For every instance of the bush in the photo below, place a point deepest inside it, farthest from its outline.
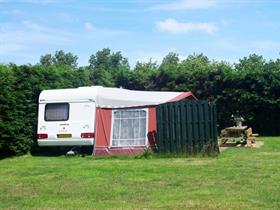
(147, 154)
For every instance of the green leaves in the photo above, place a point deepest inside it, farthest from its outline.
(106, 68)
(60, 58)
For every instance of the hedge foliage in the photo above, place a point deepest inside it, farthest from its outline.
(251, 86)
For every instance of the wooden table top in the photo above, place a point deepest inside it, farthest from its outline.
(236, 128)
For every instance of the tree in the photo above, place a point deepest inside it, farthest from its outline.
(167, 72)
(46, 60)
(60, 58)
(143, 76)
(171, 59)
(107, 66)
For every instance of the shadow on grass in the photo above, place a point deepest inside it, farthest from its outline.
(59, 151)
(207, 151)
(4, 155)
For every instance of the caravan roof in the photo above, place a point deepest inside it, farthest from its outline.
(112, 97)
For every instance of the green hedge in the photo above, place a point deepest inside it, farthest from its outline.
(251, 86)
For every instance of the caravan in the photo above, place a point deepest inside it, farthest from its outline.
(66, 117)
(113, 120)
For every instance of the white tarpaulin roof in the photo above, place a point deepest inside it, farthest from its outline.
(112, 97)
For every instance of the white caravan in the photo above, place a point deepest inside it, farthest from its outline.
(66, 117)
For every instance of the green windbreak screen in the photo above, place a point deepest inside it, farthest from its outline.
(186, 126)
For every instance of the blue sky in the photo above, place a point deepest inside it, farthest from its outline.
(140, 29)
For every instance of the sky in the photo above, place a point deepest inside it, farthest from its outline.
(141, 29)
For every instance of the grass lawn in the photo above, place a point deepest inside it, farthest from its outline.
(240, 178)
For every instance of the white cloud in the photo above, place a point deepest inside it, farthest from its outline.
(66, 17)
(8, 48)
(266, 45)
(100, 32)
(33, 26)
(89, 26)
(25, 41)
(182, 57)
(38, 1)
(15, 12)
(185, 4)
(147, 56)
(18, 40)
(173, 26)
(224, 23)
(42, 2)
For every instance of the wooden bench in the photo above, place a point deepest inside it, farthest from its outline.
(250, 136)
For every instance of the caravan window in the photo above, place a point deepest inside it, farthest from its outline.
(129, 127)
(57, 112)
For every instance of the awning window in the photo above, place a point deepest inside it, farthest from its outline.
(129, 127)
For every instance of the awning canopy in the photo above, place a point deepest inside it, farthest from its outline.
(113, 97)
(118, 98)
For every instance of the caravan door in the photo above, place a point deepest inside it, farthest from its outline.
(66, 123)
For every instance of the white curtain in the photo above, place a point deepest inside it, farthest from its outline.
(129, 127)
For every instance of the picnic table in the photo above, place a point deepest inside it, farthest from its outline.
(238, 134)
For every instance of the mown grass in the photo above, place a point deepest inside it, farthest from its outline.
(239, 178)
